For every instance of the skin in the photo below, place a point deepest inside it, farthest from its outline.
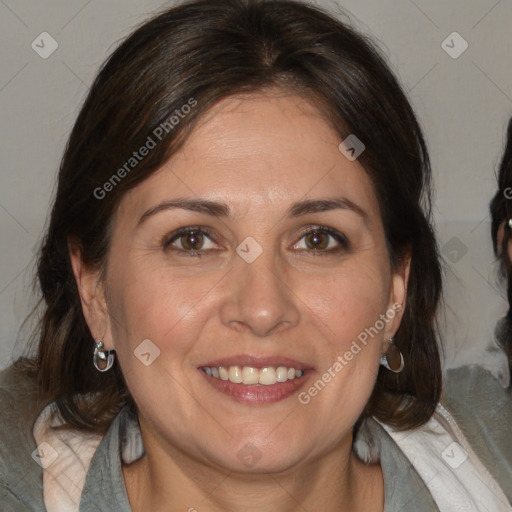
(258, 154)
(501, 236)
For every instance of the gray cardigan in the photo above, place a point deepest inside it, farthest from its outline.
(104, 490)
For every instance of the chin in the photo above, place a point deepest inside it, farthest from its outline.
(254, 457)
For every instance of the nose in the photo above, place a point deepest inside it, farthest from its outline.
(259, 299)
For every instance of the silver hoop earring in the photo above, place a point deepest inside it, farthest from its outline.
(105, 356)
(393, 359)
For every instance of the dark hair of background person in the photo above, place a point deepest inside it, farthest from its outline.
(501, 212)
(209, 50)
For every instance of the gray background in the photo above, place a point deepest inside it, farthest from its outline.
(463, 104)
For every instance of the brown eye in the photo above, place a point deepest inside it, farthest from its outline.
(322, 240)
(189, 240)
(317, 240)
(192, 241)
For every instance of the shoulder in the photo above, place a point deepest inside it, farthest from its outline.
(402, 483)
(482, 407)
(20, 475)
(478, 391)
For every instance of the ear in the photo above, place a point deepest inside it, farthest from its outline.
(92, 296)
(397, 298)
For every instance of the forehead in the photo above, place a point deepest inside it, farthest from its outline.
(267, 149)
(263, 129)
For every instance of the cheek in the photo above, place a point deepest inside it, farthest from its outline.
(350, 300)
(171, 312)
(347, 308)
(156, 304)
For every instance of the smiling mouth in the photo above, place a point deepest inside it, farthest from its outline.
(256, 386)
(250, 376)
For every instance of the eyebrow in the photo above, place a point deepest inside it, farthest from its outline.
(194, 205)
(324, 205)
(222, 210)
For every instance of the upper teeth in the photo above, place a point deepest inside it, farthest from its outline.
(252, 376)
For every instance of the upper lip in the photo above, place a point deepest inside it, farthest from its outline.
(257, 362)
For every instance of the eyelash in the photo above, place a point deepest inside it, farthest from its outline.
(344, 244)
(342, 240)
(175, 235)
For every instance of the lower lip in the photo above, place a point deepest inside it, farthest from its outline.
(258, 394)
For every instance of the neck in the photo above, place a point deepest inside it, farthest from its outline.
(335, 481)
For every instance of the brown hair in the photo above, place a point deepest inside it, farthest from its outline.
(501, 212)
(206, 50)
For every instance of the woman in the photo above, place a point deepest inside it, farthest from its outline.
(241, 278)
(501, 214)
(479, 398)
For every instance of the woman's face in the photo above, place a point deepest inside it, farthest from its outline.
(258, 245)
